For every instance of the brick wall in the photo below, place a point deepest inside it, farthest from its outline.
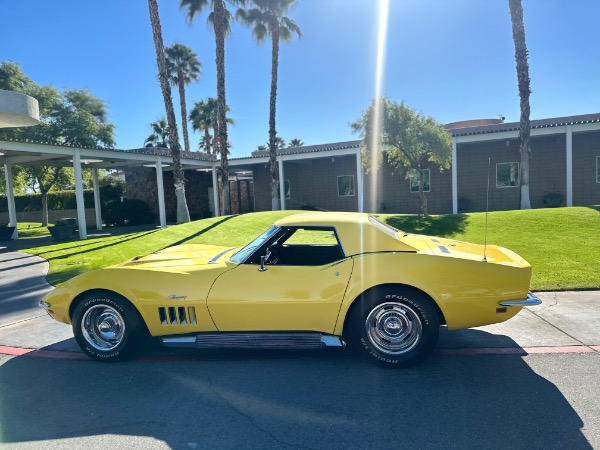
(313, 183)
(547, 171)
(586, 147)
(141, 184)
(393, 193)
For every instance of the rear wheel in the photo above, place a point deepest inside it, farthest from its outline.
(106, 327)
(396, 327)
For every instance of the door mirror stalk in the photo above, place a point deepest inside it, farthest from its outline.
(262, 267)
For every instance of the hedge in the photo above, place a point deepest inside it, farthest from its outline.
(59, 200)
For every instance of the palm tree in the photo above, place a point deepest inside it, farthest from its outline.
(160, 134)
(261, 148)
(183, 214)
(183, 67)
(216, 141)
(219, 20)
(279, 143)
(521, 58)
(268, 20)
(205, 143)
(202, 117)
(296, 143)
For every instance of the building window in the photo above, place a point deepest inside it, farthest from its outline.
(597, 169)
(286, 189)
(345, 185)
(507, 175)
(416, 176)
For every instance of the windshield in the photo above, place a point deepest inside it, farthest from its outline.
(387, 229)
(243, 254)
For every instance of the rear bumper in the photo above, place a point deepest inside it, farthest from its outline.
(531, 300)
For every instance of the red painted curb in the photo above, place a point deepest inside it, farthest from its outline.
(519, 351)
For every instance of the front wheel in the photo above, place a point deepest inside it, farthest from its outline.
(106, 327)
(397, 328)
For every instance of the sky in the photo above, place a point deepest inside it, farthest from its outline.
(450, 59)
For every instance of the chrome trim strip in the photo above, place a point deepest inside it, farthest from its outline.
(273, 340)
(215, 258)
(44, 304)
(180, 341)
(531, 300)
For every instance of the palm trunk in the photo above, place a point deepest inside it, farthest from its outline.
(181, 84)
(183, 214)
(219, 14)
(207, 141)
(275, 201)
(518, 28)
(216, 138)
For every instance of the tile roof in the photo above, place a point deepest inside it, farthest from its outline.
(306, 149)
(514, 126)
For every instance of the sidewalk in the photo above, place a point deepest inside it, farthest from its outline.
(565, 322)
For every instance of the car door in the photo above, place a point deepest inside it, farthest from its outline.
(299, 287)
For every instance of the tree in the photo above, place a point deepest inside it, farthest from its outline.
(74, 117)
(219, 20)
(160, 134)
(409, 138)
(521, 58)
(183, 214)
(296, 143)
(203, 118)
(262, 148)
(85, 100)
(183, 67)
(268, 19)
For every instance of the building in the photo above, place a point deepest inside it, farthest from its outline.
(564, 171)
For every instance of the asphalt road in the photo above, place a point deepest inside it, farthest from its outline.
(317, 400)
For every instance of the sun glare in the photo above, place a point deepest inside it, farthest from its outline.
(382, 26)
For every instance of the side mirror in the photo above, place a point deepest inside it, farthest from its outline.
(262, 267)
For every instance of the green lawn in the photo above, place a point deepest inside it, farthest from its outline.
(562, 244)
(31, 229)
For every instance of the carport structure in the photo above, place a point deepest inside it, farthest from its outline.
(42, 154)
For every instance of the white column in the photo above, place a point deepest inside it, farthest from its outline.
(10, 197)
(454, 179)
(97, 208)
(281, 184)
(79, 195)
(359, 182)
(215, 180)
(569, 155)
(161, 193)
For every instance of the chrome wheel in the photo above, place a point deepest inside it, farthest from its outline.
(393, 328)
(103, 327)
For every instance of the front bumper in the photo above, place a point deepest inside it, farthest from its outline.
(531, 300)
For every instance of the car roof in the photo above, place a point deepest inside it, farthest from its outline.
(356, 232)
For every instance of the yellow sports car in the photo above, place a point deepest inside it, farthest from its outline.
(310, 281)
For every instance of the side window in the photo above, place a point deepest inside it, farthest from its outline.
(312, 237)
(307, 247)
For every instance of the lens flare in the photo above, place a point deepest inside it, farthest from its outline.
(374, 144)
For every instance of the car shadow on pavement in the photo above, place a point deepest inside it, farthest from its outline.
(275, 399)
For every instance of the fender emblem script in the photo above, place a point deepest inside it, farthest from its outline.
(177, 297)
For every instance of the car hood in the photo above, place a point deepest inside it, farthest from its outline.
(464, 250)
(181, 256)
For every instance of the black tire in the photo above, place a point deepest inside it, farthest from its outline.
(396, 327)
(107, 327)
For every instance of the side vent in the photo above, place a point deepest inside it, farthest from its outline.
(177, 315)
